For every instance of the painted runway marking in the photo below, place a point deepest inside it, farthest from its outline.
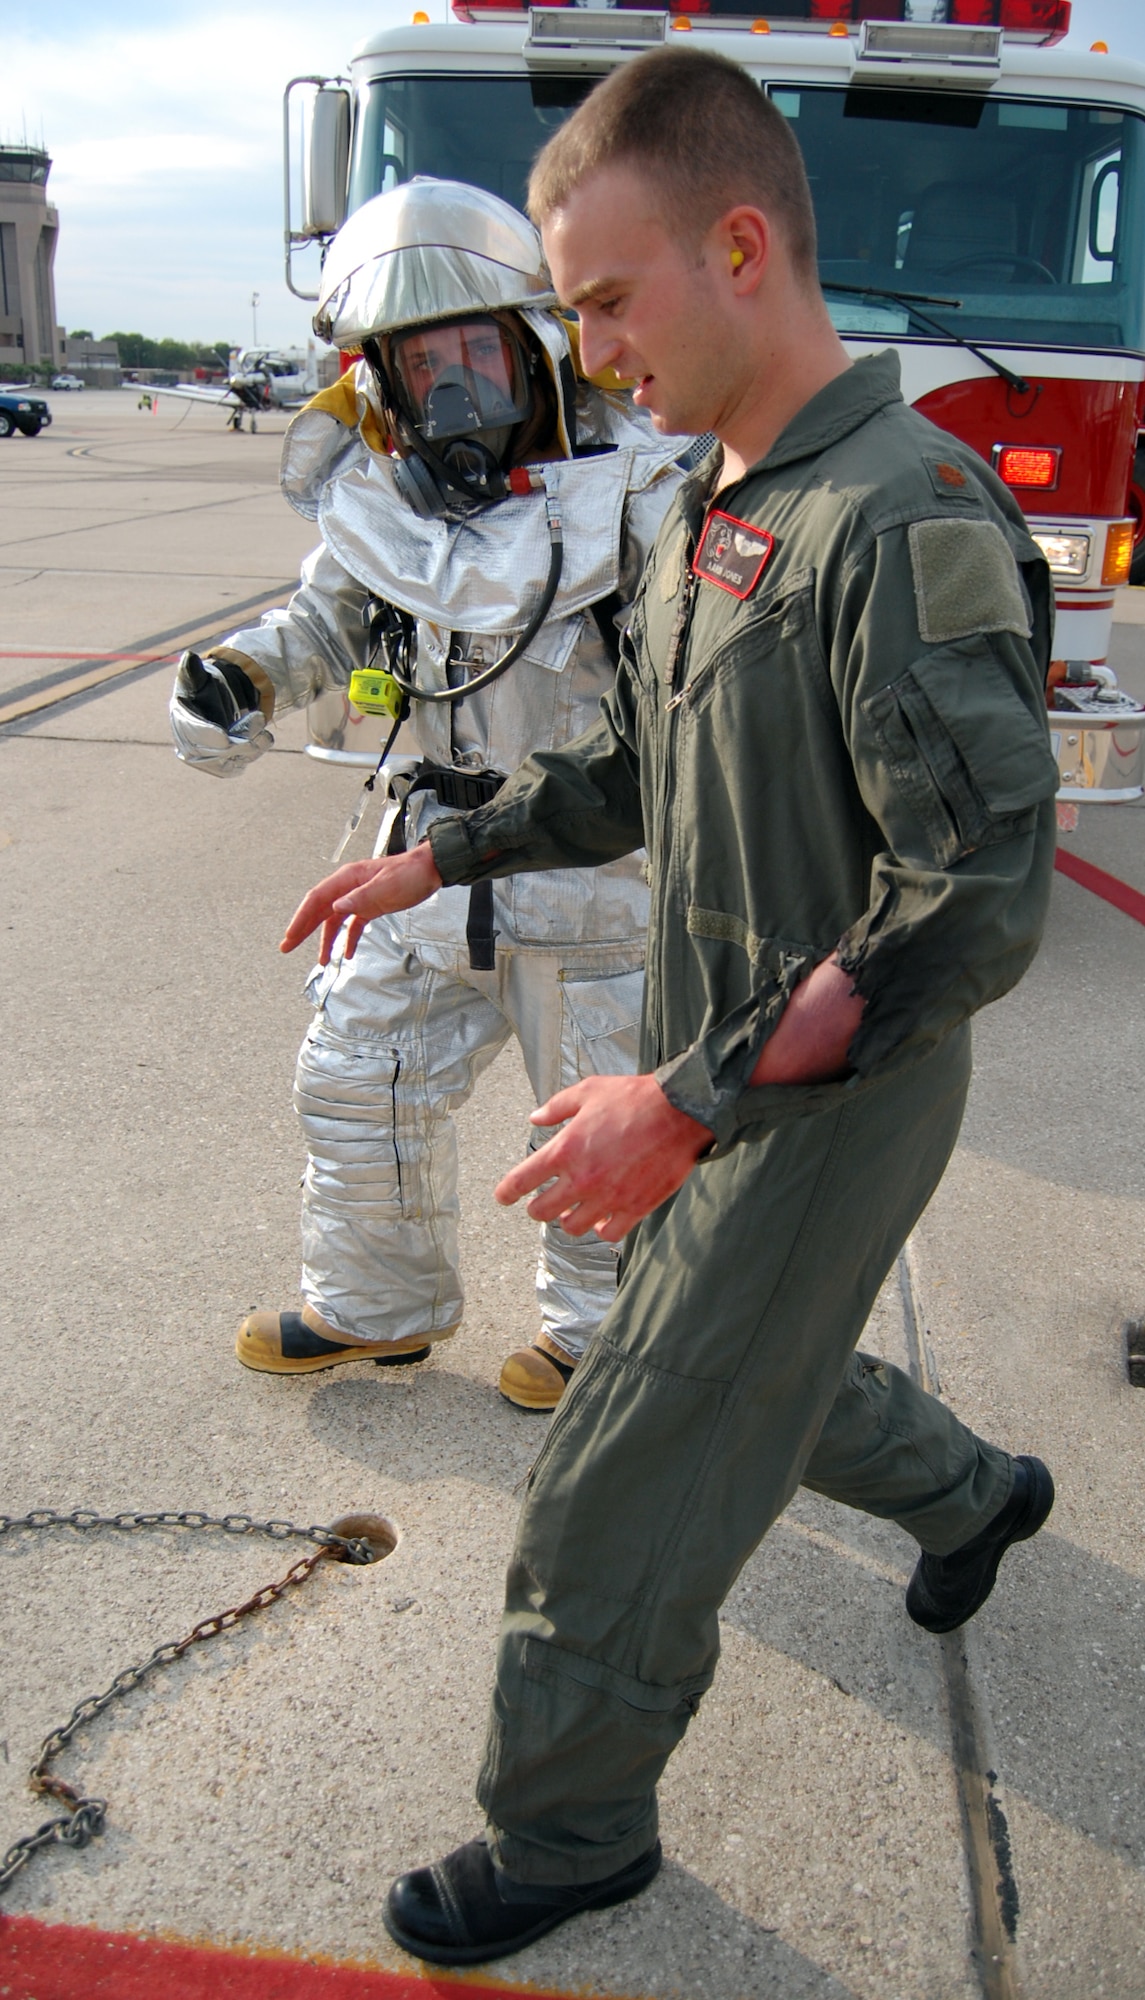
(57, 654)
(1109, 887)
(41, 1961)
(206, 630)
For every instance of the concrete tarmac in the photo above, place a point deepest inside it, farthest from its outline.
(860, 1812)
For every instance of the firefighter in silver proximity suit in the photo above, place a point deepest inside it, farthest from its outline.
(484, 518)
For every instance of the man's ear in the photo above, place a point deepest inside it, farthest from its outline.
(739, 245)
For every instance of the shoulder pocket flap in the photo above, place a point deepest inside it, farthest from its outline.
(1005, 749)
(973, 731)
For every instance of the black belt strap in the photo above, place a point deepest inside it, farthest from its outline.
(462, 791)
(479, 932)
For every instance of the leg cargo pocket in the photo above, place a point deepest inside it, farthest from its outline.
(576, 1751)
(345, 1094)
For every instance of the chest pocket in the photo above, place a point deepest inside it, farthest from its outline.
(730, 641)
(963, 750)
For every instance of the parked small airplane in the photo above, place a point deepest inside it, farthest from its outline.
(260, 379)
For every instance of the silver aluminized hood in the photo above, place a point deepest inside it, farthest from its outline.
(428, 250)
(476, 575)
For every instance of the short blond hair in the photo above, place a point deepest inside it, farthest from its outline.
(702, 129)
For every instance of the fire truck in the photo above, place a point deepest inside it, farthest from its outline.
(980, 198)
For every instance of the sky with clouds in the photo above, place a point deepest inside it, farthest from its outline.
(164, 122)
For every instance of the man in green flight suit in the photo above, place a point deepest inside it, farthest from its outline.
(828, 729)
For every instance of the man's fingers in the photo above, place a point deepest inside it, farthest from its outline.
(354, 903)
(614, 1228)
(523, 1178)
(558, 1203)
(322, 902)
(563, 1106)
(311, 912)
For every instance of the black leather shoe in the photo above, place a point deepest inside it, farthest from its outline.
(464, 1910)
(947, 1590)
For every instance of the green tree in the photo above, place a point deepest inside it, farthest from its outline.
(138, 350)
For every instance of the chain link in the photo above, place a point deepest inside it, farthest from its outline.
(86, 1817)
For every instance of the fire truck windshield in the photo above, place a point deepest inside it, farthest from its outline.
(484, 129)
(1029, 212)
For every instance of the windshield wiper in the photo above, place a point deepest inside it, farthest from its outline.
(911, 301)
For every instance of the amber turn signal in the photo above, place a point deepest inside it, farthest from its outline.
(1118, 552)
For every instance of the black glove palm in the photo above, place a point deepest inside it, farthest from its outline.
(217, 690)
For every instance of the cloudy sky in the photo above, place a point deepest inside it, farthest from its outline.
(164, 122)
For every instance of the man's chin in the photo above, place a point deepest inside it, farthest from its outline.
(665, 422)
(660, 419)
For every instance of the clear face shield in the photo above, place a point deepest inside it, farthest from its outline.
(465, 385)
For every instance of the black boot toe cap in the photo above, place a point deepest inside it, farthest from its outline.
(415, 1910)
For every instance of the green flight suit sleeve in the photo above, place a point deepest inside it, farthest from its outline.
(576, 807)
(940, 657)
(937, 645)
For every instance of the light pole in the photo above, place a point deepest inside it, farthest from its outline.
(254, 318)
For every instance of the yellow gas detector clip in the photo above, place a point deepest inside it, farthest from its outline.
(374, 693)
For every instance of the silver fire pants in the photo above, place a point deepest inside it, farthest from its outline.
(401, 1034)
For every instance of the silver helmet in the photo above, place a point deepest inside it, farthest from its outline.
(428, 250)
(444, 288)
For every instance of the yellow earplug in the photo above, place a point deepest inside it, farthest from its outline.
(737, 259)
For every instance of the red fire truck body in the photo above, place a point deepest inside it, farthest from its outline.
(980, 200)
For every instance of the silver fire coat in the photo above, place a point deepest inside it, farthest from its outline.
(470, 585)
(403, 1029)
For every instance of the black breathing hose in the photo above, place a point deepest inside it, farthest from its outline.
(501, 666)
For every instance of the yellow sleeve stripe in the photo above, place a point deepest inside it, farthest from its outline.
(340, 401)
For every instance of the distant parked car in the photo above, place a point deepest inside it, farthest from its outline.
(19, 412)
(66, 382)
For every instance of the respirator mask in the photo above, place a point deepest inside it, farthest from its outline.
(457, 391)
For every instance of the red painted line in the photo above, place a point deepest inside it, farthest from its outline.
(41, 1961)
(85, 656)
(1109, 887)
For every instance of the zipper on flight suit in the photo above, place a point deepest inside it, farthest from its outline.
(677, 645)
(679, 634)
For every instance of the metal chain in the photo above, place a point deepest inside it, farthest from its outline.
(86, 1817)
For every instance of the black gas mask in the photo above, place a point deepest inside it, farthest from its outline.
(457, 391)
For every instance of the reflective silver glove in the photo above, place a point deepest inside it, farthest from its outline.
(216, 720)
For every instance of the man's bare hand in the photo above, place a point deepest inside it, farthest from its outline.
(624, 1149)
(359, 891)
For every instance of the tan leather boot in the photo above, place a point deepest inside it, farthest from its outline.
(290, 1343)
(535, 1378)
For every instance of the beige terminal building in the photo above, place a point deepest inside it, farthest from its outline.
(29, 226)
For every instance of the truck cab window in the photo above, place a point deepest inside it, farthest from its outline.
(484, 129)
(1032, 214)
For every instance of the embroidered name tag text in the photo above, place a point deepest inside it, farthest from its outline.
(732, 554)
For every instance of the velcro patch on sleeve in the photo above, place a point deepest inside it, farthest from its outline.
(965, 580)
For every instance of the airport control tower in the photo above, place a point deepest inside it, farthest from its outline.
(29, 226)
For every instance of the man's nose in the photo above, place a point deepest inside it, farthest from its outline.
(599, 346)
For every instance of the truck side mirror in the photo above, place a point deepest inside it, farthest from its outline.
(325, 162)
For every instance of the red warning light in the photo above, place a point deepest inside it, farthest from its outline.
(1047, 19)
(1028, 464)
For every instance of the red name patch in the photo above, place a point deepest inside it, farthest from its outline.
(732, 554)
